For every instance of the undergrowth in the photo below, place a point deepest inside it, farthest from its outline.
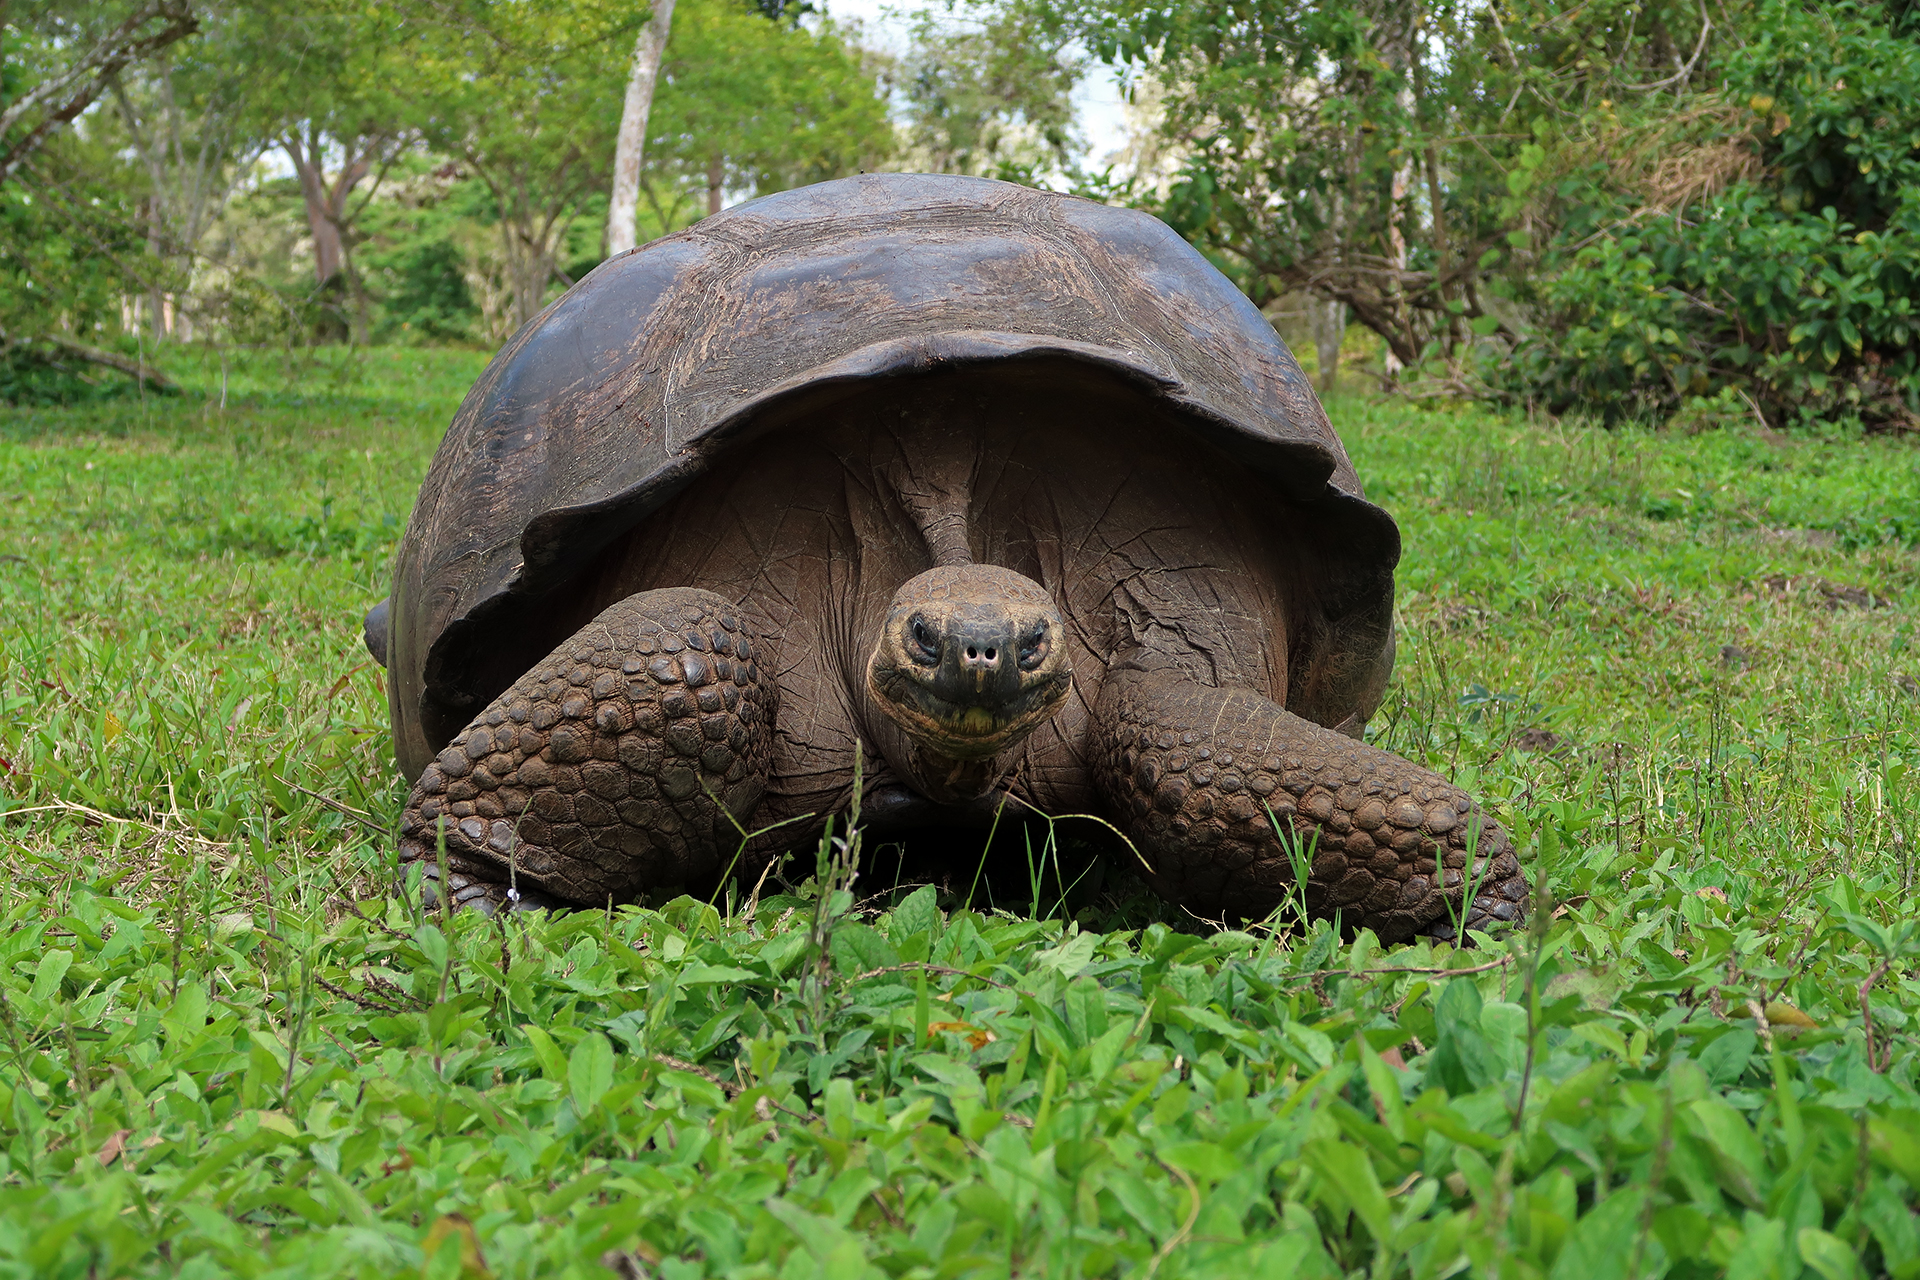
(1679, 669)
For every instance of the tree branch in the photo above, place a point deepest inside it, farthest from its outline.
(93, 355)
(96, 67)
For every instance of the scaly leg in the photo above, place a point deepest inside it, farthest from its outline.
(1193, 771)
(619, 763)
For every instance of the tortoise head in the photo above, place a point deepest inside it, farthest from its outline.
(972, 658)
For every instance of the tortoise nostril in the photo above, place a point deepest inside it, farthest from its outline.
(989, 655)
(972, 652)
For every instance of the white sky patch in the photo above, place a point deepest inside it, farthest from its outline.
(1098, 109)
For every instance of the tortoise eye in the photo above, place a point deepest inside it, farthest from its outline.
(923, 649)
(1033, 649)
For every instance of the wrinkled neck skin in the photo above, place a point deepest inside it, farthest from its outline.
(945, 780)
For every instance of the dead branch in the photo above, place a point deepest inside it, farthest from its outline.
(93, 355)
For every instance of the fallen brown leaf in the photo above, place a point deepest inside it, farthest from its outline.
(116, 1143)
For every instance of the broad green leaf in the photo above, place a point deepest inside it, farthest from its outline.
(860, 948)
(1725, 1060)
(1827, 1254)
(1317, 1045)
(1605, 1035)
(47, 974)
(186, 1018)
(1683, 1231)
(838, 1109)
(1894, 1140)
(1205, 1160)
(836, 1253)
(1892, 1222)
(1739, 1161)
(553, 1064)
(1071, 956)
(1462, 1060)
(916, 914)
(697, 975)
(1349, 1172)
(1505, 1026)
(433, 945)
(1601, 1245)
(590, 1071)
(1384, 1085)
(1106, 1051)
(1763, 1252)
(1086, 1009)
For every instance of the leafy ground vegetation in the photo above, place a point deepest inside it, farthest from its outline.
(1680, 668)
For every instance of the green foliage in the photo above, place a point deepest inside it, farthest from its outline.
(1372, 152)
(58, 221)
(67, 224)
(1624, 208)
(423, 253)
(58, 56)
(652, 1083)
(523, 96)
(452, 163)
(227, 1047)
(1796, 289)
(988, 91)
(761, 104)
(38, 375)
(430, 296)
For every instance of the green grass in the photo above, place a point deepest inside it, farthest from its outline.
(227, 1049)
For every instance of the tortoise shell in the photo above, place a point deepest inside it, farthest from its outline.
(631, 385)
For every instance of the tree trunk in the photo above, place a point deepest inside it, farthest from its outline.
(526, 242)
(326, 201)
(716, 178)
(1327, 318)
(648, 51)
(156, 245)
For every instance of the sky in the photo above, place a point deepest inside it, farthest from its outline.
(1097, 100)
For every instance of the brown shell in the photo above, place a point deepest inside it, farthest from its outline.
(625, 389)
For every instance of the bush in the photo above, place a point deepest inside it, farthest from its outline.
(1795, 290)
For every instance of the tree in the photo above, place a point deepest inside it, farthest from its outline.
(517, 90)
(66, 222)
(1569, 205)
(328, 84)
(183, 116)
(630, 149)
(67, 56)
(1355, 152)
(988, 91)
(1756, 250)
(759, 103)
(71, 240)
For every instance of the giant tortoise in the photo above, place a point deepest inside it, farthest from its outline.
(1012, 492)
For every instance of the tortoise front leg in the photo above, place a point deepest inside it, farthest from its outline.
(1193, 771)
(620, 763)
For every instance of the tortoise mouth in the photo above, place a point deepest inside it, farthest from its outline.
(970, 660)
(969, 728)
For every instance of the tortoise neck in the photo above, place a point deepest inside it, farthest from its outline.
(946, 537)
(945, 780)
(932, 476)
